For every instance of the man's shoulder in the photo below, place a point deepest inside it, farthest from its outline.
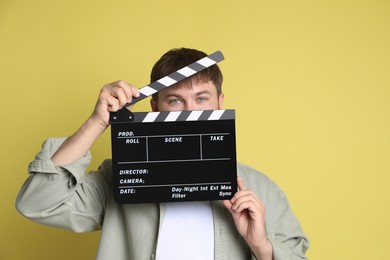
(106, 165)
(248, 172)
(256, 180)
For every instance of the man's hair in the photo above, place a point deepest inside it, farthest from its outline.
(176, 59)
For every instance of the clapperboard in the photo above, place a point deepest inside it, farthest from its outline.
(177, 155)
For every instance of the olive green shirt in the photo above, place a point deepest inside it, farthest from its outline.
(67, 197)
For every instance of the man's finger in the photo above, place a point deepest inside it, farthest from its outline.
(241, 184)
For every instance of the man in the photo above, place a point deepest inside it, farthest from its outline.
(257, 223)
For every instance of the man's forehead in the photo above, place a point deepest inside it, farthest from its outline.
(193, 87)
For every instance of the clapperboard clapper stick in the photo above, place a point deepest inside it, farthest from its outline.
(167, 81)
(174, 155)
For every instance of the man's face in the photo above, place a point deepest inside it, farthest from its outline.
(200, 96)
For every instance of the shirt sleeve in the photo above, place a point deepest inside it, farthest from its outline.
(65, 196)
(283, 229)
(286, 235)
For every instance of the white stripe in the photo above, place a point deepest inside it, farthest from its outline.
(172, 116)
(194, 115)
(147, 91)
(206, 62)
(150, 117)
(167, 81)
(216, 114)
(186, 71)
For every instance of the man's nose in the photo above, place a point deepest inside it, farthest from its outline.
(190, 106)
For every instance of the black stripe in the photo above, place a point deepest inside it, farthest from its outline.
(216, 56)
(196, 66)
(228, 115)
(134, 100)
(177, 76)
(184, 115)
(157, 86)
(139, 116)
(161, 117)
(205, 115)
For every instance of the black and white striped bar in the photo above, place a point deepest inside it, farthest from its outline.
(186, 115)
(178, 75)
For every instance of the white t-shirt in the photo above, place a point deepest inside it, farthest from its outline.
(186, 232)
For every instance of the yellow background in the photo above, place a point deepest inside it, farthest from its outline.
(310, 81)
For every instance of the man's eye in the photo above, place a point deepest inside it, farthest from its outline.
(174, 101)
(201, 99)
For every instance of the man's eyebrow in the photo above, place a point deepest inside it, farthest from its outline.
(203, 92)
(172, 95)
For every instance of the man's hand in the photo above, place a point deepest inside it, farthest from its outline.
(249, 217)
(112, 97)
